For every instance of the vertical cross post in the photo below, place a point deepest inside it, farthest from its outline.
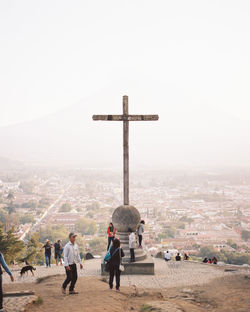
(126, 118)
(125, 151)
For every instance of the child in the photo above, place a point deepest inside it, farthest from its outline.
(132, 244)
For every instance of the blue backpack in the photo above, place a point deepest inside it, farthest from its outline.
(108, 255)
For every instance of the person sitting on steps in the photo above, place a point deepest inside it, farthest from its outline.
(167, 256)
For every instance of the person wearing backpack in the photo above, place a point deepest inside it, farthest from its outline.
(4, 265)
(116, 254)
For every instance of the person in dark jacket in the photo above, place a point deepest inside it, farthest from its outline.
(47, 253)
(4, 265)
(178, 257)
(116, 253)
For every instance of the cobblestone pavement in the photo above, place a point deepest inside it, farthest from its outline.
(167, 274)
(17, 304)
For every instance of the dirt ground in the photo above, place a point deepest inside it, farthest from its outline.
(223, 294)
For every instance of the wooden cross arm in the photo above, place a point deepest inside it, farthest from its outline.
(126, 117)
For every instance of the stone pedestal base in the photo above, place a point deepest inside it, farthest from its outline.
(140, 254)
(143, 267)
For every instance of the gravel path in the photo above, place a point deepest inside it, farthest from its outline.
(167, 274)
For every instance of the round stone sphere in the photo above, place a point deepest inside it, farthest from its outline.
(125, 217)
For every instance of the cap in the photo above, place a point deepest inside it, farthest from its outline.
(72, 234)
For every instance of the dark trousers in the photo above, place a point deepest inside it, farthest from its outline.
(114, 271)
(1, 292)
(71, 277)
(110, 239)
(140, 240)
(132, 255)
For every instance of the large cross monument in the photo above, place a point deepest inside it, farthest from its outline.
(127, 216)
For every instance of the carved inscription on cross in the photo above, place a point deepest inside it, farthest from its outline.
(126, 118)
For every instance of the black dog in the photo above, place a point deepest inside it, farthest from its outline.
(26, 269)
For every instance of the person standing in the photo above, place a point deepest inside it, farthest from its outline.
(6, 268)
(71, 258)
(58, 252)
(132, 244)
(47, 252)
(111, 234)
(116, 256)
(140, 231)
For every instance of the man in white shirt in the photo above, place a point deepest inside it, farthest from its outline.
(71, 258)
(167, 256)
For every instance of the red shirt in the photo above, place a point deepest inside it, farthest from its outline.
(109, 232)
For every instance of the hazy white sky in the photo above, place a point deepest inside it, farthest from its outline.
(188, 61)
(193, 53)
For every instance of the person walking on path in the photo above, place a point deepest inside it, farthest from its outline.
(6, 268)
(132, 244)
(140, 231)
(111, 234)
(58, 252)
(71, 258)
(47, 252)
(167, 256)
(116, 253)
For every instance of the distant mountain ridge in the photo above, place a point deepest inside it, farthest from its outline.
(71, 137)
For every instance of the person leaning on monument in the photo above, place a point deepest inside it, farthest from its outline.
(71, 258)
(6, 268)
(140, 231)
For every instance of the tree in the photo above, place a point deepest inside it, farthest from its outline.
(53, 233)
(66, 207)
(3, 215)
(208, 251)
(231, 243)
(10, 208)
(245, 235)
(10, 245)
(86, 226)
(186, 219)
(170, 231)
(90, 214)
(102, 228)
(33, 253)
(97, 245)
(27, 218)
(10, 196)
